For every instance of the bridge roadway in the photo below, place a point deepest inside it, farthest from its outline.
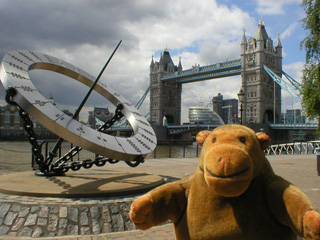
(197, 73)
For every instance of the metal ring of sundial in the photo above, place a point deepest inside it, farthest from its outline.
(14, 73)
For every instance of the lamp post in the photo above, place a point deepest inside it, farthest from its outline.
(241, 98)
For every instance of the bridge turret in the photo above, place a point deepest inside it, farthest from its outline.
(165, 97)
(262, 102)
(244, 42)
(151, 65)
(180, 65)
(278, 46)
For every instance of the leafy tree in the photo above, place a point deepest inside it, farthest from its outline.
(310, 89)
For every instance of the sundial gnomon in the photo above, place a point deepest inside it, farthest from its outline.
(21, 91)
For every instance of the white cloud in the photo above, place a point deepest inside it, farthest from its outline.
(289, 31)
(201, 32)
(294, 70)
(272, 7)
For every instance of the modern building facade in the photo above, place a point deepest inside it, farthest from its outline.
(293, 116)
(262, 102)
(204, 115)
(227, 109)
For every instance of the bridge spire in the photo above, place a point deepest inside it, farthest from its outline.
(180, 65)
(278, 45)
(244, 38)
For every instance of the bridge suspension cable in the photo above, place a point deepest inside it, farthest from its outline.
(291, 86)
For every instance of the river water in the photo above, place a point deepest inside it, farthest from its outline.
(16, 156)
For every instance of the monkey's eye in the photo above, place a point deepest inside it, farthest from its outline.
(243, 140)
(214, 140)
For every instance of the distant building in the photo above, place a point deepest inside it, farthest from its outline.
(226, 109)
(293, 116)
(11, 125)
(204, 115)
(98, 116)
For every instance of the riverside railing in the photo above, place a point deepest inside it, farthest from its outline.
(186, 150)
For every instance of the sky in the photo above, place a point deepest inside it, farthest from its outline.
(85, 33)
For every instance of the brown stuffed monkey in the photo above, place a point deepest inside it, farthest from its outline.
(233, 194)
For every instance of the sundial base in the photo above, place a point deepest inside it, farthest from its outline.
(86, 183)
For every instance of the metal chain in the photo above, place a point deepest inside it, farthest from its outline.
(61, 166)
(28, 127)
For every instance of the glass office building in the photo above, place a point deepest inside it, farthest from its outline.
(204, 115)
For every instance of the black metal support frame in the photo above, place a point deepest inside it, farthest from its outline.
(46, 164)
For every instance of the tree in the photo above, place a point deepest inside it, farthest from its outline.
(310, 89)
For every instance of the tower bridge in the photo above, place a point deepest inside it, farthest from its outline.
(260, 68)
(262, 102)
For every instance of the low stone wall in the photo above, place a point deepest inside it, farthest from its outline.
(48, 217)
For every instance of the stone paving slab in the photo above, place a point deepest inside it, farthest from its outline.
(301, 170)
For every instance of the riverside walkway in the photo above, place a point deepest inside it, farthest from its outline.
(301, 170)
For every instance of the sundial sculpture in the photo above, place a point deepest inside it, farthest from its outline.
(21, 92)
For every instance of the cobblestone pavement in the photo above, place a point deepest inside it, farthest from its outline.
(79, 216)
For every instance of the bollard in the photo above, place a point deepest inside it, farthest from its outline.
(318, 163)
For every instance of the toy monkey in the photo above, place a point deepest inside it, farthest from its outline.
(233, 195)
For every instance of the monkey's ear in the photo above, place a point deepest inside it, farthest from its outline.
(264, 140)
(201, 136)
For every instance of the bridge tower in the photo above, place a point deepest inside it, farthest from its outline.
(262, 102)
(165, 96)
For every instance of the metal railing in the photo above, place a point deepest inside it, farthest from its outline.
(310, 147)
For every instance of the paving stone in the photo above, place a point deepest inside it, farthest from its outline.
(114, 209)
(125, 207)
(63, 212)
(62, 231)
(37, 232)
(84, 209)
(18, 224)
(4, 230)
(52, 222)
(73, 214)
(106, 214)
(85, 231)
(44, 211)
(118, 224)
(130, 225)
(4, 208)
(24, 212)
(106, 228)
(10, 218)
(54, 209)
(42, 222)
(95, 212)
(84, 220)
(73, 230)
(12, 234)
(34, 209)
(96, 226)
(31, 220)
(26, 232)
(15, 208)
(63, 223)
(50, 234)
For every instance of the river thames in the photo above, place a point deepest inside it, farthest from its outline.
(16, 156)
